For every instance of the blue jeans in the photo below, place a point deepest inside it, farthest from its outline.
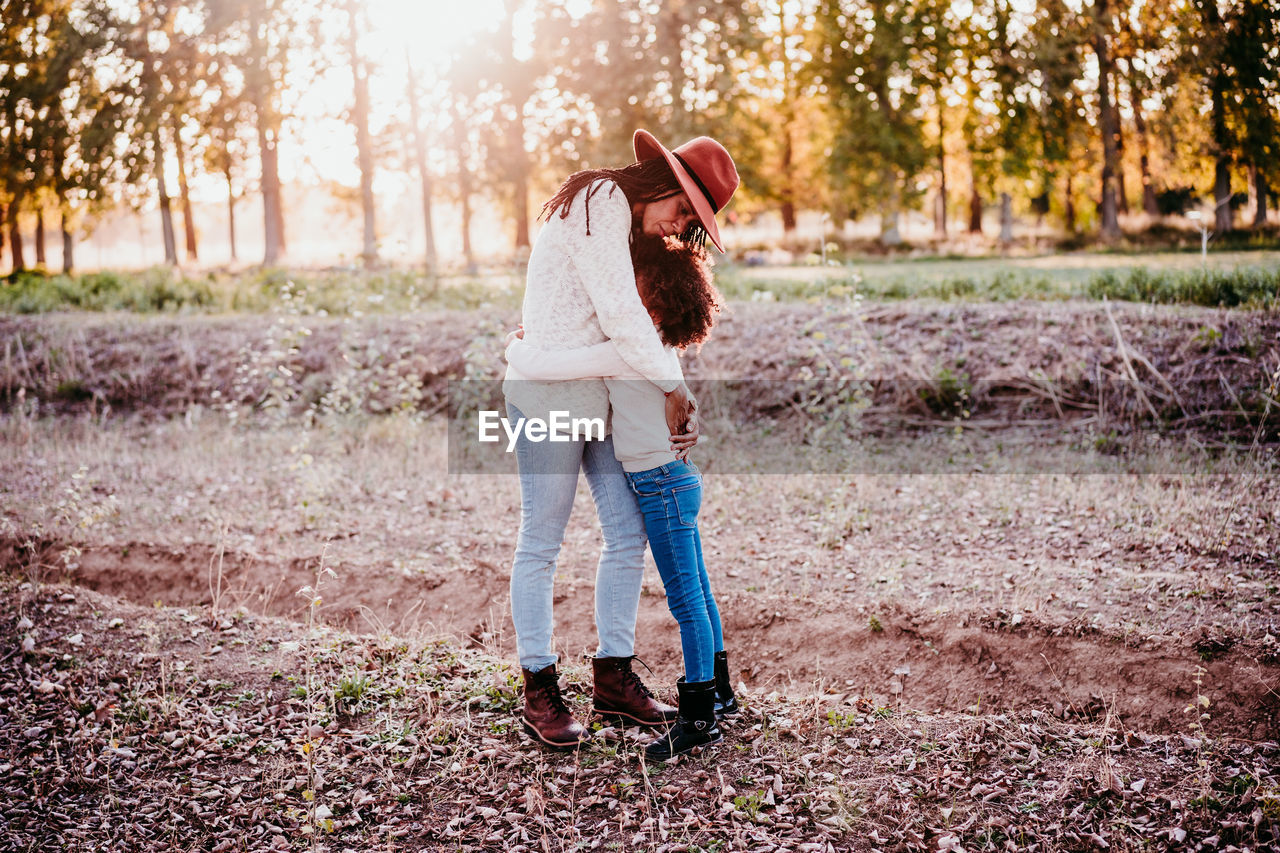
(548, 483)
(670, 497)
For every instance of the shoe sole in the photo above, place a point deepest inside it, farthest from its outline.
(711, 744)
(550, 744)
(625, 719)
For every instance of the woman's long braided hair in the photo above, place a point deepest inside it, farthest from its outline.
(643, 182)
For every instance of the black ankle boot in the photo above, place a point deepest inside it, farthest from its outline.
(726, 702)
(694, 727)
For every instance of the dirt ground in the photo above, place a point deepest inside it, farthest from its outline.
(1065, 571)
(1045, 618)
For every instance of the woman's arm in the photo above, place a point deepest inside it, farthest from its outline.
(603, 262)
(558, 365)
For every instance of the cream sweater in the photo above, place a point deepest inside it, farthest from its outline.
(580, 291)
(641, 438)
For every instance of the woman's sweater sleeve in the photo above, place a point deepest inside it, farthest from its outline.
(561, 365)
(603, 261)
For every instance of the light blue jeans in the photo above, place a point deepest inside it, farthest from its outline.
(548, 483)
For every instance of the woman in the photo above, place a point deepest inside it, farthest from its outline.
(581, 291)
(675, 285)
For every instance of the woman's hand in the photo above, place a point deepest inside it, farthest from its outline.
(682, 420)
(516, 334)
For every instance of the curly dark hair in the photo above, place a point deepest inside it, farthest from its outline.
(641, 183)
(675, 284)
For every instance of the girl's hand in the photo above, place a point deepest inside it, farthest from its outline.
(685, 435)
(518, 334)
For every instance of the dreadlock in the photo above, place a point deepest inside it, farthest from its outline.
(641, 183)
(674, 280)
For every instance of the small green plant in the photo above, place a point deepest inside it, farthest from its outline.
(874, 624)
(351, 691)
(749, 804)
(841, 722)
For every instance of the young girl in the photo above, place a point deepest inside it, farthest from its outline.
(674, 282)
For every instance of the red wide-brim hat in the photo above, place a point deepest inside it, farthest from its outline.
(705, 171)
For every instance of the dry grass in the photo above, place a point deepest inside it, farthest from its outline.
(1152, 554)
(158, 729)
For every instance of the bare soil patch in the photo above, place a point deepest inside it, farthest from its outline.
(1111, 366)
(818, 644)
(144, 728)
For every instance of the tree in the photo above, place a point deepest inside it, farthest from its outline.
(84, 125)
(502, 84)
(865, 71)
(21, 80)
(225, 121)
(1252, 53)
(419, 138)
(360, 121)
(937, 39)
(260, 36)
(1103, 29)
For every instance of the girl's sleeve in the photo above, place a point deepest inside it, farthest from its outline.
(603, 262)
(590, 362)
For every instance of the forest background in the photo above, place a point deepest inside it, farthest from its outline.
(223, 132)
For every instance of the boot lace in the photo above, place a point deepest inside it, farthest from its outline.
(550, 685)
(629, 676)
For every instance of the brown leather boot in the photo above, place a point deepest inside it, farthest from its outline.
(546, 716)
(621, 697)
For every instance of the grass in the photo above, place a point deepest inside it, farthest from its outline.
(1249, 279)
(1228, 279)
(332, 292)
(961, 538)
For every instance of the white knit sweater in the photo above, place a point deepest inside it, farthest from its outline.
(581, 290)
(641, 438)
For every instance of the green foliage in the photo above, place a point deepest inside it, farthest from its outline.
(1247, 287)
(948, 394)
(332, 292)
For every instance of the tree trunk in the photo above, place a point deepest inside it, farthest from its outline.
(1222, 216)
(268, 137)
(1006, 218)
(270, 195)
(460, 150)
(40, 257)
(788, 182)
(166, 214)
(522, 203)
(787, 179)
(364, 142)
(1149, 204)
(15, 235)
(420, 156)
(1122, 195)
(231, 207)
(466, 232)
(890, 233)
(4, 213)
(68, 245)
(940, 204)
(1260, 190)
(188, 222)
(1221, 136)
(975, 209)
(1107, 117)
(1069, 207)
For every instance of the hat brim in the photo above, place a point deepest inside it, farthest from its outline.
(647, 147)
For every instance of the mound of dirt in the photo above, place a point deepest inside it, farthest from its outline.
(900, 658)
(129, 727)
(909, 363)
